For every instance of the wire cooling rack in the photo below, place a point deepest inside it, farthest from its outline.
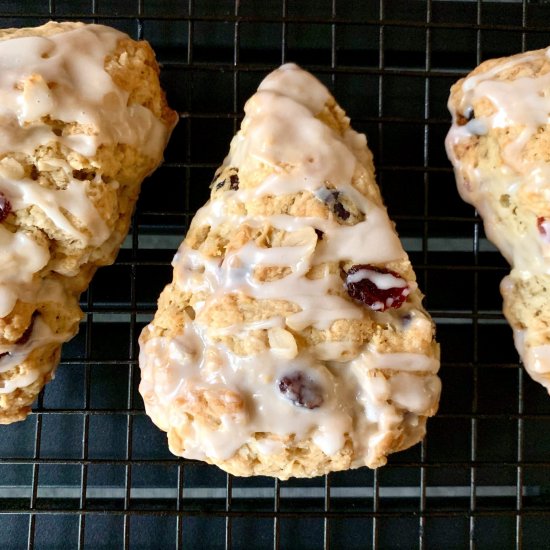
(89, 470)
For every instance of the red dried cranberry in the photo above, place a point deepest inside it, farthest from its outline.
(301, 390)
(376, 287)
(5, 207)
(330, 198)
(233, 182)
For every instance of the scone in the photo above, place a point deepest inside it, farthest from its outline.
(82, 121)
(292, 340)
(499, 145)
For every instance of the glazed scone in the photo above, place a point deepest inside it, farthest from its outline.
(292, 340)
(499, 145)
(82, 121)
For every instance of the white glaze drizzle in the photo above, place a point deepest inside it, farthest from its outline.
(61, 77)
(383, 281)
(280, 129)
(24, 193)
(522, 103)
(83, 92)
(175, 368)
(409, 362)
(20, 258)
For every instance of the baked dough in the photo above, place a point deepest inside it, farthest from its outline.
(292, 340)
(82, 121)
(499, 145)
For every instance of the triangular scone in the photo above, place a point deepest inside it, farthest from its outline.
(499, 145)
(83, 121)
(259, 358)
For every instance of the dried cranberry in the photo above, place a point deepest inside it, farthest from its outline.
(331, 199)
(376, 287)
(337, 207)
(340, 211)
(301, 390)
(233, 183)
(5, 207)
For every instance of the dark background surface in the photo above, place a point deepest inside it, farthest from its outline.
(88, 469)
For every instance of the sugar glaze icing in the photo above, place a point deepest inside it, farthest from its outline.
(60, 77)
(520, 106)
(281, 129)
(521, 103)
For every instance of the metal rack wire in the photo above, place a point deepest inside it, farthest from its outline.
(89, 470)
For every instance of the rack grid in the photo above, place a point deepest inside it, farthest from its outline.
(89, 470)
